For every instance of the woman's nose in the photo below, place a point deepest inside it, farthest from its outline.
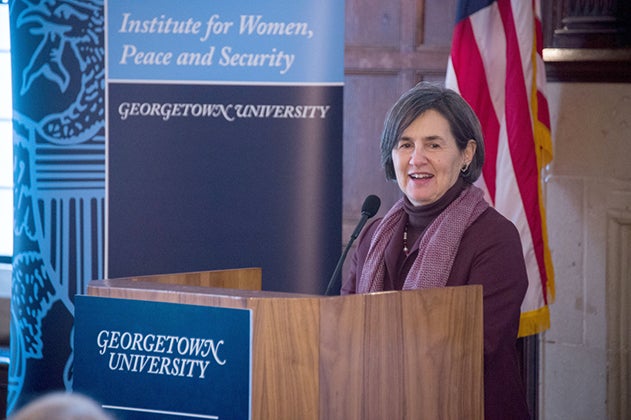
(417, 156)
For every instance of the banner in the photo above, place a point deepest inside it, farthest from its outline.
(57, 51)
(225, 138)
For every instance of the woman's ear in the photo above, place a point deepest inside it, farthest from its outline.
(469, 151)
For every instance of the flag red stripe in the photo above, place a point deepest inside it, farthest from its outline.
(538, 32)
(473, 86)
(543, 113)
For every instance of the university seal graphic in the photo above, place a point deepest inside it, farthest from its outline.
(59, 177)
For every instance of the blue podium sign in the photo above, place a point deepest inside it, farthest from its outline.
(153, 360)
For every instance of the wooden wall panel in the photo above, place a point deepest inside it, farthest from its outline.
(587, 40)
(390, 45)
(366, 101)
(438, 19)
(373, 22)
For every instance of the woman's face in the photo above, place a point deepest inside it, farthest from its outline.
(426, 159)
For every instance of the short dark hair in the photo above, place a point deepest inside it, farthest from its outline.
(463, 122)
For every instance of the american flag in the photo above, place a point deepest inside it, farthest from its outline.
(496, 64)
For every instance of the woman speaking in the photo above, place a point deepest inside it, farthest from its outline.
(442, 232)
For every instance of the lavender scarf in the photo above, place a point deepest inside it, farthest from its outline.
(437, 249)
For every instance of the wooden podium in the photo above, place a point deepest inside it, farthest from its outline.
(389, 355)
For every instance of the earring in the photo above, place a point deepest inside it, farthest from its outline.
(465, 168)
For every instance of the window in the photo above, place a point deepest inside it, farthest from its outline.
(6, 140)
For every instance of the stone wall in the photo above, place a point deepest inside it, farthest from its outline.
(588, 194)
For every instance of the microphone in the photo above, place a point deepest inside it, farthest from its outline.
(369, 209)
